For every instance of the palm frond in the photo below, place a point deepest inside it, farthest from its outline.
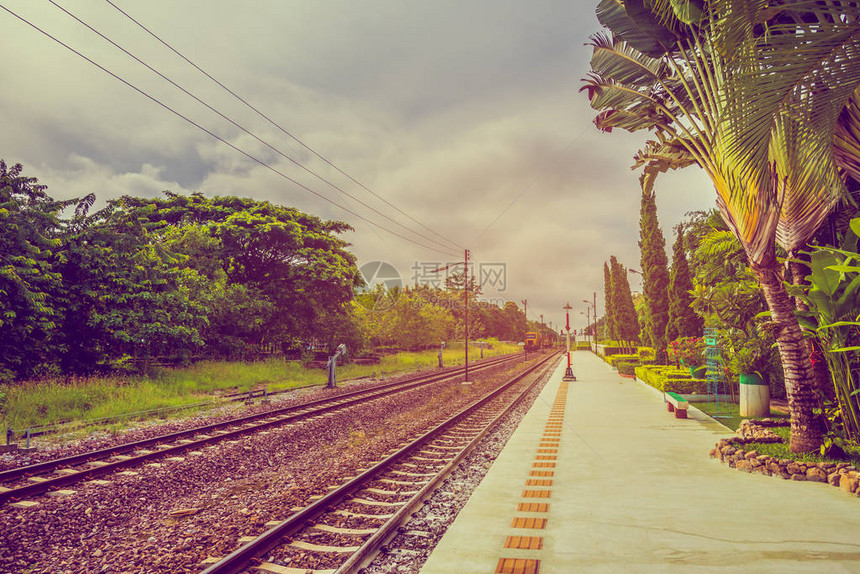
(810, 182)
(650, 41)
(846, 138)
(622, 63)
(808, 70)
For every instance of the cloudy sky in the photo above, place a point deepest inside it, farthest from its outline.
(465, 115)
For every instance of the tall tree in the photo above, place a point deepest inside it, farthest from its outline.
(682, 320)
(609, 331)
(626, 319)
(29, 283)
(655, 268)
(733, 87)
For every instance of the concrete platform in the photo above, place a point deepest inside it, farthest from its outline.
(633, 490)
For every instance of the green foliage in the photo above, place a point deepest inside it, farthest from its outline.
(654, 266)
(833, 298)
(29, 311)
(781, 449)
(729, 298)
(621, 357)
(655, 375)
(610, 329)
(626, 367)
(50, 401)
(413, 322)
(623, 312)
(168, 277)
(689, 350)
(686, 386)
(682, 320)
(755, 355)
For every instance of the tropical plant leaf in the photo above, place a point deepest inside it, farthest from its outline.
(821, 277)
(844, 268)
(626, 65)
(613, 15)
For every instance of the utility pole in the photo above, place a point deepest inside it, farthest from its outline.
(595, 315)
(466, 297)
(526, 314)
(587, 318)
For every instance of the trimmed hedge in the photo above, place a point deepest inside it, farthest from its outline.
(669, 379)
(583, 345)
(625, 368)
(621, 358)
(655, 374)
(646, 352)
(687, 386)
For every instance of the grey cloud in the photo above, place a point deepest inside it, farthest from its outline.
(450, 110)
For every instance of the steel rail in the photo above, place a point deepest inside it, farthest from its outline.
(239, 560)
(240, 426)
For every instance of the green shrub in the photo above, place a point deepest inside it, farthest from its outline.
(646, 353)
(583, 345)
(688, 386)
(666, 377)
(626, 368)
(615, 359)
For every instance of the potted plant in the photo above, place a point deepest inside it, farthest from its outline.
(750, 361)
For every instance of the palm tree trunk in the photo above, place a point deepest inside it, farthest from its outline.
(799, 380)
(820, 371)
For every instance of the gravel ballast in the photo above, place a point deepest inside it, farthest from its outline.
(169, 517)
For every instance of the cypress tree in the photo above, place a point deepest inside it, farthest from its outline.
(655, 268)
(683, 322)
(608, 324)
(624, 315)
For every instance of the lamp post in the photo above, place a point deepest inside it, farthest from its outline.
(568, 374)
(588, 319)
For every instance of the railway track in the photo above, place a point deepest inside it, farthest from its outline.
(55, 476)
(342, 531)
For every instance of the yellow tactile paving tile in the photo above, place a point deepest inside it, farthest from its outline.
(537, 494)
(539, 482)
(543, 465)
(528, 522)
(524, 542)
(518, 566)
(541, 473)
(533, 507)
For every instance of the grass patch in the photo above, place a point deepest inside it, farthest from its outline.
(730, 414)
(188, 389)
(780, 450)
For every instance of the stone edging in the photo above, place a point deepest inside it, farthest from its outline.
(731, 452)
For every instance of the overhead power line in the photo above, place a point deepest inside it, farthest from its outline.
(242, 128)
(276, 124)
(217, 137)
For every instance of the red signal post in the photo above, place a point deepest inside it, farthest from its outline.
(568, 374)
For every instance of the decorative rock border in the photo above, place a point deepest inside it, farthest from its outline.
(730, 451)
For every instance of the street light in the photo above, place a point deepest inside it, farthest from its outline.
(588, 318)
(568, 374)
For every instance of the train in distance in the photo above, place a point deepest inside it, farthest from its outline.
(534, 341)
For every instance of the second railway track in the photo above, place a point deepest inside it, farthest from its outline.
(341, 531)
(56, 475)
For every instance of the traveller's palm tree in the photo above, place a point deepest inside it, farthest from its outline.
(736, 95)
